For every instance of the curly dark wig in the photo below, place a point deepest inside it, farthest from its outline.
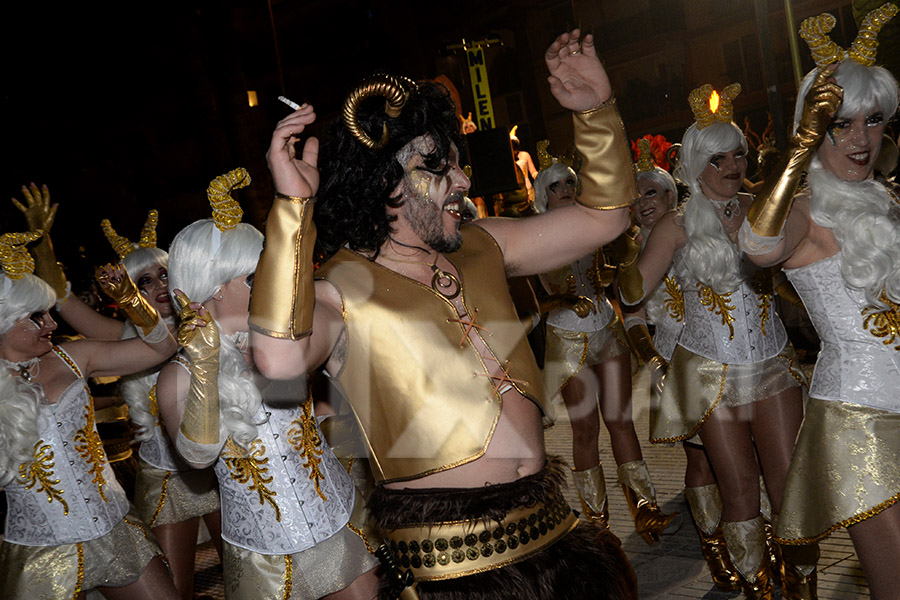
(357, 182)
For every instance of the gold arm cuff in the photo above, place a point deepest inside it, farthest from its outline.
(439, 551)
(607, 175)
(631, 283)
(643, 345)
(284, 297)
(772, 205)
(200, 421)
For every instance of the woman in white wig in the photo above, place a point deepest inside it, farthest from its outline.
(730, 380)
(588, 361)
(839, 240)
(70, 528)
(286, 500)
(170, 496)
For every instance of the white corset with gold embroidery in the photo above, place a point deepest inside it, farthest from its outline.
(287, 492)
(740, 327)
(665, 311)
(859, 360)
(69, 493)
(578, 276)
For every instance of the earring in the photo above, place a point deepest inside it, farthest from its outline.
(220, 296)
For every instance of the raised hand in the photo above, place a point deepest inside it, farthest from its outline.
(819, 107)
(197, 332)
(577, 79)
(580, 305)
(39, 213)
(292, 175)
(115, 282)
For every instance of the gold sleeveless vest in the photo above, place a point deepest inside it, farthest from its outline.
(418, 387)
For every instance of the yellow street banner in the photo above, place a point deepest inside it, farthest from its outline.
(484, 110)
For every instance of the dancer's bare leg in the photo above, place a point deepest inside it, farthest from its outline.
(877, 544)
(580, 398)
(614, 377)
(699, 471)
(727, 438)
(364, 587)
(776, 421)
(155, 583)
(179, 543)
(213, 523)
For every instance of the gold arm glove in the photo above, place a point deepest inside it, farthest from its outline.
(47, 268)
(199, 336)
(283, 299)
(772, 205)
(643, 345)
(624, 251)
(607, 175)
(40, 214)
(127, 296)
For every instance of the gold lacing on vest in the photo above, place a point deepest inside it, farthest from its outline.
(305, 439)
(762, 287)
(40, 470)
(250, 468)
(674, 304)
(154, 404)
(884, 323)
(718, 304)
(468, 327)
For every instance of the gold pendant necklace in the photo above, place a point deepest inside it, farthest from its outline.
(444, 283)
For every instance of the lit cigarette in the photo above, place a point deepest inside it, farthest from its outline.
(290, 103)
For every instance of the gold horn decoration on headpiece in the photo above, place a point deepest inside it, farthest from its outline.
(708, 106)
(544, 157)
(227, 212)
(644, 161)
(815, 30)
(395, 90)
(14, 256)
(865, 46)
(148, 233)
(121, 244)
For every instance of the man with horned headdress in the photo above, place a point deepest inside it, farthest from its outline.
(412, 319)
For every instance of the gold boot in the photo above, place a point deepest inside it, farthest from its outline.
(747, 547)
(706, 508)
(798, 572)
(591, 488)
(649, 520)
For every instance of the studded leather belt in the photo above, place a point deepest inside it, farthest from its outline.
(447, 550)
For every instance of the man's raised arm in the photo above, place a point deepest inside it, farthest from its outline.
(579, 82)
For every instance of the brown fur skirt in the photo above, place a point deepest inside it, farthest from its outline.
(586, 563)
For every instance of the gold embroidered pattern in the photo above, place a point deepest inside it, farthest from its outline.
(154, 404)
(718, 304)
(884, 323)
(362, 536)
(305, 439)
(600, 274)
(245, 468)
(762, 287)
(674, 304)
(41, 471)
(80, 581)
(162, 496)
(91, 447)
(288, 576)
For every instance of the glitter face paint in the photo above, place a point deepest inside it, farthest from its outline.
(854, 146)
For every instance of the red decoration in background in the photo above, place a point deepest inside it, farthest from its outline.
(658, 147)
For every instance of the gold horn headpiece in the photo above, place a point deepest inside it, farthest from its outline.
(644, 161)
(227, 212)
(395, 90)
(815, 30)
(709, 106)
(122, 245)
(14, 256)
(545, 159)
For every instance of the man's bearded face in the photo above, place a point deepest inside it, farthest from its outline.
(433, 199)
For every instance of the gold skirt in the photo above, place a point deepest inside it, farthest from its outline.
(164, 497)
(327, 567)
(845, 469)
(568, 351)
(61, 572)
(695, 386)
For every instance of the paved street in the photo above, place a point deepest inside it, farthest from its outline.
(673, 568)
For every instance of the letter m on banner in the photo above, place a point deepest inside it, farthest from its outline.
(481, 91)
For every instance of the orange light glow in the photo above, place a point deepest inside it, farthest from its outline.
(714, 101)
